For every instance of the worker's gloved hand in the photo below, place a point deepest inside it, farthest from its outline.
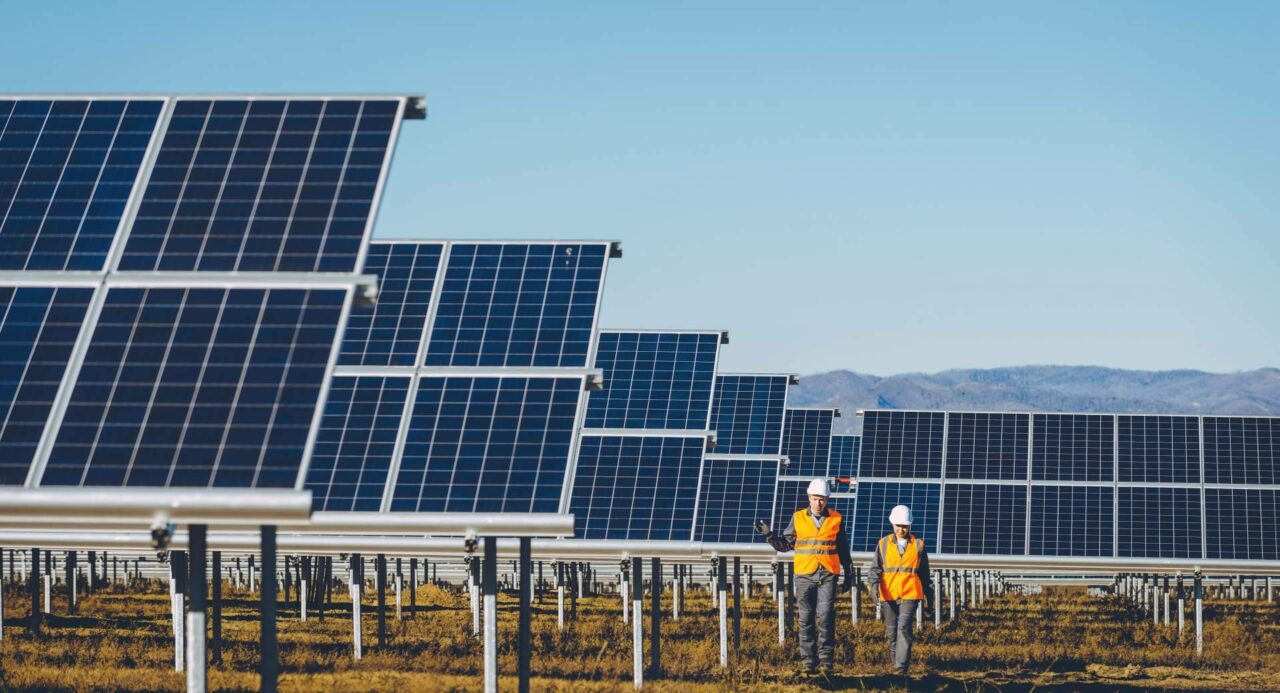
(762, 529)
(847, 584)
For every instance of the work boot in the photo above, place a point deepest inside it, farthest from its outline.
(810, 669)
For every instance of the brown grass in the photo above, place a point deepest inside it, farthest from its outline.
(1062, 640)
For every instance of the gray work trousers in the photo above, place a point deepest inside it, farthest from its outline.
(816, 600)
(899, 620)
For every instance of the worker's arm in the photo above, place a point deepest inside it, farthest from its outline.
(925, 578)
(846, 559)
(875, 573)
(786, 541)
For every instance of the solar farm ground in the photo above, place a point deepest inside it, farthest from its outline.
(1063, 640)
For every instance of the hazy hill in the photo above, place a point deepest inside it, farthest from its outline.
(1045, 388)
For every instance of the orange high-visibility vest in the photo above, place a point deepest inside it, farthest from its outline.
(816, 546)
(900, 579)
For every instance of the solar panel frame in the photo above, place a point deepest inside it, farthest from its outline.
(608, 412)
(1175, 528)
(412, 285)
(806, 441)
(965, 507)
(324, 477)
(684, 485)
(1241, 449)
(1158, 448)
(844, 456)
(759, 439)
(1088, 440)
(870, 516)
(1242, 523)
(987, 446)
(1090, 530)
(884, 453)
(732, 495)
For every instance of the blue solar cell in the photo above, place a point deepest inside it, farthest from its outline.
(1073, 447)
(902, 444)
(789, 497)
(806, 441)
(38, 327)
(734, 495)
(67, 168)
(987, 446)
(747, 414)
(1241, 450)
(654, 380)
(870, 519)
(1159, 522)
(351, 460)
(389, 332)
(1071, 520)
(844, 456)
(984, 519)
(516, 304)
(1159, 449)
(263, 185)
(1242, 523)
(636, 488)
(487, 445)
(204, 387)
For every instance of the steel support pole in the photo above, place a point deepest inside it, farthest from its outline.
(722, 588)
(413, 588)
(70, 567)
(623, 586)
(270, 670)
(675, 591)
(559, 566)
(215, 645)
(951, 593)
(197, 660)
(1182, 605)
(35, 592)
(356, 586)
(655, 619)
(473, 586)
(380, 565)
(177, 601)
(525, 647)
(855, 595)
(780, 602)
(737, 604)
(1165, 592)
(490, 614)
(1199, 597)
(637, 627)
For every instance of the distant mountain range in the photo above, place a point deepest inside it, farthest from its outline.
(1044, 388)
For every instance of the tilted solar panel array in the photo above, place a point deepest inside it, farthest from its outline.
(1089, 485)
(645, 435)
(486, 343)
(139, 358)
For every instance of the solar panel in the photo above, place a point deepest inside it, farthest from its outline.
(390, 331)
(806, 441)
(1071, 520)
(1159, 449)
(987, 446)
(747, 413)
(197, 387)
(734, 494)
(870, 519)
(636, 487)
(791, 496)
(263, 185)
(1242, 523)
(984, 518)
(488, 444)
(38, 328)
(1241, 450)
(67, 167)
(356, 443)
(902, 444)
(654, 380)
(1159, 522)
(844, 456)
(518, 304)
(1073, 447)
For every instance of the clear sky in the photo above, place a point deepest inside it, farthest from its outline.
(841, 185)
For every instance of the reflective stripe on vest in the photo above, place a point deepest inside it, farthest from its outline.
(900, 578)
(816, 546)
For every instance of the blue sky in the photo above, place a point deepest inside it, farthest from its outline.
(860, 186)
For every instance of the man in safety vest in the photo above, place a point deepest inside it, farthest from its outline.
(900, 580)
(816, 535)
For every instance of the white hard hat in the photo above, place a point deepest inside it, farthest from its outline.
(819, 487)
(900, 515)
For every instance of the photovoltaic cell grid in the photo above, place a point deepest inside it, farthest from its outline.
(790, 497)
(1073, 447)
(262, 185)
(390, 332)
(197, 388)
(38, 327)
(517, 304)
(806, 441)
(1071, 520)
(984, 519)
(1159, 522)
(1159, 449)
(654, 380)
(844, 456)
(356, 442)
(870, 519)
(747, 413)
(67, 168)
(905, 444)
(1242, 524)
(636, 488)
(987, 446)
(735, 494)
(1241, 450)
(487, 445)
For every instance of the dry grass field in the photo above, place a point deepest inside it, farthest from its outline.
(1063, 640)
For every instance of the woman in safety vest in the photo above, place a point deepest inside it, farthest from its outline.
(900, 581)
